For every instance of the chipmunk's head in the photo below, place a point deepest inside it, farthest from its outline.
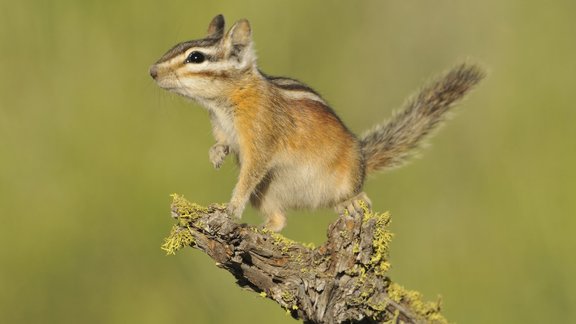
(204, 68)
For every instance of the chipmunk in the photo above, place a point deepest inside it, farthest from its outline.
(293, 150)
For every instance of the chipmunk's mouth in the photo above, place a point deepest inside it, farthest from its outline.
(167, 84)
(166, 80)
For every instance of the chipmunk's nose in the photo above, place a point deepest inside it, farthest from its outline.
(153, 72)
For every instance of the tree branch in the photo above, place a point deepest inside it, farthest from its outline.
(343, 280)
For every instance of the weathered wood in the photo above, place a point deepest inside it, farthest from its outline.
(342, 281)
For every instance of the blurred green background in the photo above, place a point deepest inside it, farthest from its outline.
(91, 148)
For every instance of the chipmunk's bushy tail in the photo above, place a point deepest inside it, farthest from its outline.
(392, 143)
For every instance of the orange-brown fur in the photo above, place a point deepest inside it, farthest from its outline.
(293, 151)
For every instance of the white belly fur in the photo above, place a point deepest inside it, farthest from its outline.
(305, 185)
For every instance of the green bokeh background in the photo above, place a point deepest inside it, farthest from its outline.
(91, 148)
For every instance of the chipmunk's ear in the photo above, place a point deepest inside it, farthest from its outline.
(216, 27)
(237, 43)
(240, 35)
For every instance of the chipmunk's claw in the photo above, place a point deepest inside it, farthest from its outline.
(217, 154)
(355, 205)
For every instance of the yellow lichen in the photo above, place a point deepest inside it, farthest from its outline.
(430, 311)
(379, 265)
(287, 244)
(356, 248)
(380, 241)
(279, 240)
(179, 237)
(380, 307)
(289, 299)
(394, 319)
(186, 213)
(310, 245)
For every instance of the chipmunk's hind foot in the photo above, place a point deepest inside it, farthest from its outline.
(275, 221)
(355, 205)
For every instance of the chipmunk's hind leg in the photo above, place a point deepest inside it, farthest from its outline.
(353, 206)
(268, 205)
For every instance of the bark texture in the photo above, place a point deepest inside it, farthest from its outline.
(342, 281)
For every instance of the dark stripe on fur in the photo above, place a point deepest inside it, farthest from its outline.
(183, 47)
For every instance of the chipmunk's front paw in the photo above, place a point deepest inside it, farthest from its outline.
(353, 206)
(217, 154)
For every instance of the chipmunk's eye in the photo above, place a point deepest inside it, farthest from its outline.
(195, 57)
